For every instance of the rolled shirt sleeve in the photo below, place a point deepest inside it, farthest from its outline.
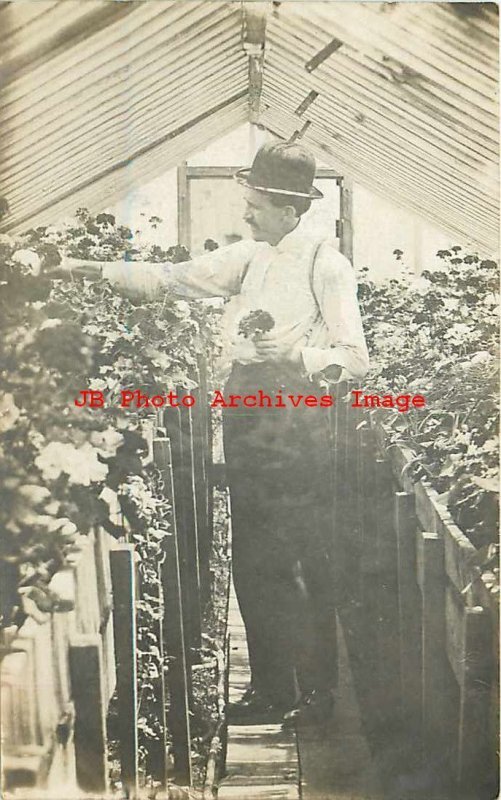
(335, 288)
(215, 274)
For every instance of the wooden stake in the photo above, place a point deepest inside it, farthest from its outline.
(405, 525)
(431, 576)
(124, 627)
(86, 674)
(179, 679)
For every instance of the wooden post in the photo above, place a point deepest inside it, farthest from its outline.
(344, 502)
(178, 424)
(86, 674)
(179, 679)
(183, 207)
(191, 527)
(386, 595)
(160, 770)
(208, 450)
(431, 577)
(346, 217)
(405, 524)
(369, 561)
(172, 419)
(200, 487)
(124, 630)
(474, 765)
(254, 37)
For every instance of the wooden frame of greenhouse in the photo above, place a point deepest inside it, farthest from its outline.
(121, 640)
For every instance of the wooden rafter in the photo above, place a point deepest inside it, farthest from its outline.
(253, 41)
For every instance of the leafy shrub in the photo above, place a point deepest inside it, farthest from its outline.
(57, 461)
(437, 335)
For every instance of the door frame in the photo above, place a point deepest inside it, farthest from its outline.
(186, 174)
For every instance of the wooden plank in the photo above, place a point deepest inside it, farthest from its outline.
(161, 768)
(369, 563)
(228, 172)
(200, 484)
(86, 600)
(191, 523)
(18, 701)
(179, 678)
(63, 628)
(262, 760)
(425, 511)
(105, 596)
(460, 555)
(475, 751)
(124, 628)
(408, 608)
(430, 558)
(183, 208)
(323, 54)
(386, 594)
(37, 640)
(172, 420)
(386, 538)
(341, 526)
(90, 712)
(346, 219)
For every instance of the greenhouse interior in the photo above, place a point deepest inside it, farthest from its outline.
(292, 592)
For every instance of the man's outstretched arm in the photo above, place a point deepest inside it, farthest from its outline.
(215, 274)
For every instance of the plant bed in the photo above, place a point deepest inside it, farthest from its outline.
(437, 335)
(209, 679)
(469, 567)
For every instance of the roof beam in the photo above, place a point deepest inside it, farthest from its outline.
(253, 42)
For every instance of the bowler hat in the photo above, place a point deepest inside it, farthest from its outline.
(281, 168)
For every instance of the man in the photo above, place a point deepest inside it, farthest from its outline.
(278, 459)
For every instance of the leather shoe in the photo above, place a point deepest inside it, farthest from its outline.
(314, 708)
(253, 706)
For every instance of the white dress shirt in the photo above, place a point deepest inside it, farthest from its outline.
(324, 325)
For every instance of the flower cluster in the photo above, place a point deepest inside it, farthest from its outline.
(56, 339)
(437, 335)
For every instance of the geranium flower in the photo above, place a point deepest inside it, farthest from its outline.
(81, 464)
(106, 442)
(30, 259)
(53, 322)
(9, 413)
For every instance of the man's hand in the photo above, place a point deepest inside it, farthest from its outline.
(244, 351)
(270, 348)
(331, 374)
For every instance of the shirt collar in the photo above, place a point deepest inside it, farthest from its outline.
(291, 240)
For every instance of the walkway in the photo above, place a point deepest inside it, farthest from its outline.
(262, 760)
(334, 762)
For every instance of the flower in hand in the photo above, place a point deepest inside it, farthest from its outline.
(255, 323)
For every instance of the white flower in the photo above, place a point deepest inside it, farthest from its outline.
(482, 357)
(81, 464)
(9, 413)
(50, 323)
(28, 258)
(106, 442)
(34, 494)
(459, 330)
(420, 284)
(182, 307)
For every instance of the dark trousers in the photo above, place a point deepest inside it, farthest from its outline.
(279, 473)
